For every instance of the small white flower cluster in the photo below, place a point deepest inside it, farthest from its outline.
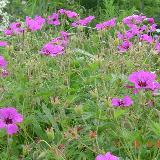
(4, 16)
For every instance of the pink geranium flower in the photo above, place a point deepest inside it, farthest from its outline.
(150, 20)
(3, 44)
(71, 14)
(14, 29)
(35, 24)
(124, 46)
(68, 13)
(64, 36)
(107, 24)
(53, 19)
(9, 118)
(143, 80)
(153, 28)
(107, 156)
(52, 50)
(3, 62)
(146, 38)
(124, 102)
(62, 11)
(132, 21)
(56, 46)
(83, 22)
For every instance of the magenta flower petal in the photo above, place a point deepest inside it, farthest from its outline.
(115, 101)
(12, 129)
(127, 101)
(2, 124)
(3, 44)
(8, 32)
(107, 156)
(100, 157)
(124, 46)
(54, 19)
(3, 62)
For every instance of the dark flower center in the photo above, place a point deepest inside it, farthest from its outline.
(142, 84)
(126, 47)
(121, 103)
(8, 121)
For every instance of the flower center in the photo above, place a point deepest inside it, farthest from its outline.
(142, 84)
(121, 103)
(8, 121)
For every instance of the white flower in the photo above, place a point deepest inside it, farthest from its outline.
(4, 16)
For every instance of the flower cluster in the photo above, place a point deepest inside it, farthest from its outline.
(142, 80)
(132, 21)
(140, 27)
(56, 46)
(9, 118)
(14, 29)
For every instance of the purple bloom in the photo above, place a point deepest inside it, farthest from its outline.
(150, 20)
(107, 24)
(64, 35)
(3, 44)
(8, 32)
(71, 14)
(52, 50)
(153, 28)
(14, 28)
(56, 46)
(35, 24)
(143, 80)
(53, 19)
(83, 22)
(124, 102)
(9, 117)
(15, 25)
(124, 46)
(132, 21)
(3, 62)
(62, 11)
(107, 156)
(146, 38)
(68, 13)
